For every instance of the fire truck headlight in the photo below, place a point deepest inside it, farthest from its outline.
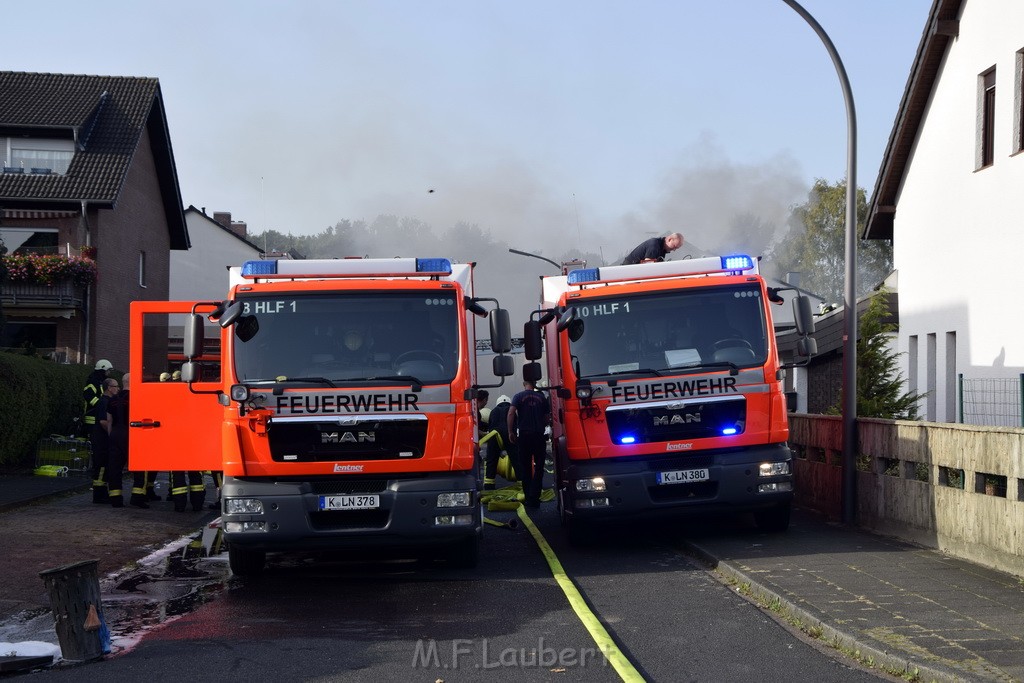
(239, 527)
(240, 393)
(590, 485)
(459, 499)
(773, 469)
(777, 487)
(453, 520)
(243, 506)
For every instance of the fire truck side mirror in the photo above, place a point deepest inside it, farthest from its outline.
(501, 331)
(192, 344)
(503, 366)
(802, 316)
(567, 318)
(806, 347)
(533, 347)
(230, 314)
(531, 372)
(190, 372)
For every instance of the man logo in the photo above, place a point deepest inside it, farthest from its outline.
(685, 418)
(348, 437)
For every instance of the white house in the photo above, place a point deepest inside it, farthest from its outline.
(953, 175)
(201, 273)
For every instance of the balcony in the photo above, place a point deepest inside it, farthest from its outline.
(64, 294)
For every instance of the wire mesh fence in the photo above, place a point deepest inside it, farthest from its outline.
(59, 455)
(991, 401)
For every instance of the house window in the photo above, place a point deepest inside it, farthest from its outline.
(930, 378)
(36, 155)
(19, 336)
(29, 240)
(986, 118)
(142, 269)
(1018, 105)
(912, 364)
(950, 377)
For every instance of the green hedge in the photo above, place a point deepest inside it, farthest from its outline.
(45, 398)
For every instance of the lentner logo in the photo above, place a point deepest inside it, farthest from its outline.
(679, 446)
(348, 468)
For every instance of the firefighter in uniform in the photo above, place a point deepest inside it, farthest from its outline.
(188, 487)
(498, 422)
(119, 452)
(92, 394)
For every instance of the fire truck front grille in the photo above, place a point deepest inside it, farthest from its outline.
(329, 441)
(683, 492)
(677, 422)
(674, 462)
(334, 520)
(347, 486)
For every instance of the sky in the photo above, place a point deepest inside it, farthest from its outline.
(550, 125)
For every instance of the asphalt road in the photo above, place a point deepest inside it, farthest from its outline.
(317, 617)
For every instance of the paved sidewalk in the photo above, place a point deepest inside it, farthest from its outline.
(48, 522)
(902, 605)
(17, 490)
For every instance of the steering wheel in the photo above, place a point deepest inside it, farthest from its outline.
(418, 355)
(732, 341)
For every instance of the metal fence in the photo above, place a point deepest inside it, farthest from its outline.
(992, 402)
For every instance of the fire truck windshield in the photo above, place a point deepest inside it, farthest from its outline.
(669, 332)
(349, 337)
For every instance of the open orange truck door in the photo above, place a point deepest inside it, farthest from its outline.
(173, 425)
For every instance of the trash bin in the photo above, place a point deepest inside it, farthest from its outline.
(74, 591)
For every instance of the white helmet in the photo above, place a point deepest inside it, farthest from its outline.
(103, 365)
(504, 399)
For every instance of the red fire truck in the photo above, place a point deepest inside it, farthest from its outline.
(666, 391)
(342, 410)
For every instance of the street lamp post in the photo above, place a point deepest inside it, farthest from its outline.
(526, 253)
(850, 290)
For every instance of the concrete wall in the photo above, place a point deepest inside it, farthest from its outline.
(906, 483)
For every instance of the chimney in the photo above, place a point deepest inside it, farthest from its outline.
(223, 217)
(240, 228)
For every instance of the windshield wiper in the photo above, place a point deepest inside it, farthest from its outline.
(733, 368)
(404, 379)
(650, 371)
(313, 380)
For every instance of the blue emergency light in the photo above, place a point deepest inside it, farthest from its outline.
(627, 439)
(737, 262)
(433, 265)
(251, 268)
(584, 275)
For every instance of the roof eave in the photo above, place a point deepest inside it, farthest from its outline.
(939, 32)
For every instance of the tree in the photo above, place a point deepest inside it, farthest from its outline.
(879, 380)
(817, 245)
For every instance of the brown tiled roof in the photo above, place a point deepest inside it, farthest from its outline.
(108, 116)
(939, 32)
